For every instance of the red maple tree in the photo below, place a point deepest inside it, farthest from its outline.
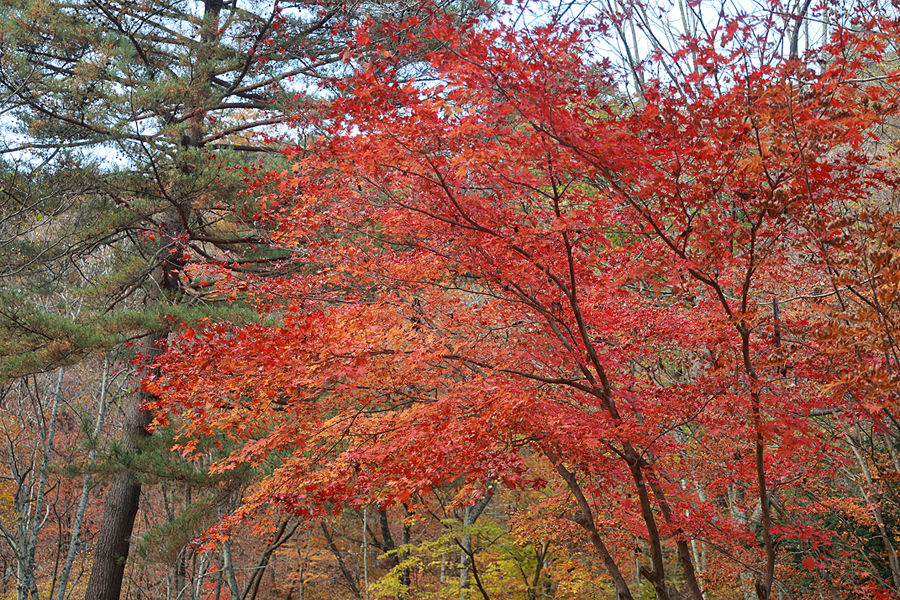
(506, 266)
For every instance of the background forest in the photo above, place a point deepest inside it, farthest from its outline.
(410, 300)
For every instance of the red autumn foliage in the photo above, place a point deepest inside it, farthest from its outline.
(680, 308)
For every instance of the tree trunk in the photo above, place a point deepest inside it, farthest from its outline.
(875, 502)
(75, 540)
(122, 499)
(26, 585)
(228, 568)
(470, 515)
(348, 576)
(403, 555)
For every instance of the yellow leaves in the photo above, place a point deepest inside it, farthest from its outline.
(8, 509)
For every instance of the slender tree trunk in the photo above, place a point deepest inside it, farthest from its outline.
(735, 499)
(27, 585)
(348, 576)
(301, 569)
(365, 545)
(403, 555)
(470, 515)
(874, 501)
(540, 558)
(585, 518)
(198, 577)
(63, 581)
(228, 568)
(394, 554)
(281, 537)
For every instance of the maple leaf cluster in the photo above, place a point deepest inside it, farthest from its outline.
(667, 315)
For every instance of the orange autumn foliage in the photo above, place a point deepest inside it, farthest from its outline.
(502, 275)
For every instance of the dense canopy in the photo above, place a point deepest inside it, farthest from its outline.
(665, 313)
(593, 300)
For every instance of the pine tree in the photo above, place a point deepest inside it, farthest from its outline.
(130, 117)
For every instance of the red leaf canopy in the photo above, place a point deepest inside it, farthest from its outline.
(506, 268)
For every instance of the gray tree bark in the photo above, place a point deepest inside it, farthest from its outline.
(63, 581)
(470, 515)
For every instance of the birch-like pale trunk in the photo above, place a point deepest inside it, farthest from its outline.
(470, 515)
(26, 585)
(63, 580)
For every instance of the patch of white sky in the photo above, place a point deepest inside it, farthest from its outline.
(642, 37)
